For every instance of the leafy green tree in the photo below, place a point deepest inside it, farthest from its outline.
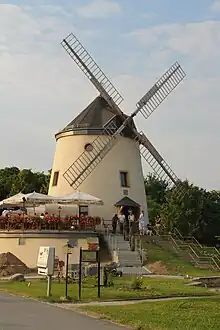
(156, 195)
(184, 213)
(13, 181)
(196, 214)
(7, 177)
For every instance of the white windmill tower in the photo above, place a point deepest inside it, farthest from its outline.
(99, 152)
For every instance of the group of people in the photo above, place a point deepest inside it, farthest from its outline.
(129, 223)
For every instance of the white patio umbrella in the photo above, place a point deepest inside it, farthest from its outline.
(37, 198)
(30, 199)
(78, 197)
(13, 200)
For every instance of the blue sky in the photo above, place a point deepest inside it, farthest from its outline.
(134, 42)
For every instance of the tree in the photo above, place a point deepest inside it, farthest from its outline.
(184, 213)
(7, 177)
(196, 214)
(13, 181)
(156, 195)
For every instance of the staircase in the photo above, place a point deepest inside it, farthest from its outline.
(129, 261)
(192, 250)
(203, 256)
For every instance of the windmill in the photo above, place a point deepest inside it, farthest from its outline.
(118, 125)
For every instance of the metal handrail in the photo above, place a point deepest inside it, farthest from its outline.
(140, 248)
(195, 254)
(201, 247)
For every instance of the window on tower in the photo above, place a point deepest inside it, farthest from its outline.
(124, 179)
(55, 178)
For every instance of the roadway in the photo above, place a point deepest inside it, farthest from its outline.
(18, 313)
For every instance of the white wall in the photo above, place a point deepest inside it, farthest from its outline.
(28, 252)
(104, 181)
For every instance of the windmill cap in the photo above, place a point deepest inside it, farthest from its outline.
(92, 119)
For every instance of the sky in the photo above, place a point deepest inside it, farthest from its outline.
(134, 42)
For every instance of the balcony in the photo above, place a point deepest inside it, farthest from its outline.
(48, 223)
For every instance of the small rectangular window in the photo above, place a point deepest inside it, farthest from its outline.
(55, 178)
(21, 241)
(124, 179)
(125, 192)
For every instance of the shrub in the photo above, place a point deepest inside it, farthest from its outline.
(137, 283)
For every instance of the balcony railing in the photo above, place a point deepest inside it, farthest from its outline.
(48, 223)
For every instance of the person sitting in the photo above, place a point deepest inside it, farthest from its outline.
(149, 231)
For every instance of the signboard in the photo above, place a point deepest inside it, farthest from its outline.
(46, 260)
(89, 256)
(43, 254)
(93, 243)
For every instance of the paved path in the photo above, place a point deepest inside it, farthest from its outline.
(39, 277)
(20, 314)
(125, 302)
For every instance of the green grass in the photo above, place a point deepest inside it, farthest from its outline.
(175, 264)
(122, 289)
(201, 314)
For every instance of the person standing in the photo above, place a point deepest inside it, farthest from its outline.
(132, 229)
(131, 220)
(114, 223)
(142, 223)
(121, 219)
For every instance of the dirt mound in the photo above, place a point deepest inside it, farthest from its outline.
(10, 264)
(158, 268)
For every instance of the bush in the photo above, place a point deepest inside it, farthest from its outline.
(137, 283)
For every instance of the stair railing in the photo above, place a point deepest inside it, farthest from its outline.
(140, 248)
(195, 257)
(202, 249)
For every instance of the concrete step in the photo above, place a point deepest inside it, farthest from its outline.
(134, 255)
(126, 257)
(133, 271)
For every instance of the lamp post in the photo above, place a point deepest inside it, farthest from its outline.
(59, 211)
(24, 201)
(24, 210)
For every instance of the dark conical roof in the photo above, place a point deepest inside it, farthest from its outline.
(126, 201)
(92, 119)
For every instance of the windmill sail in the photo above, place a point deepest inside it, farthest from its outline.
(92, 71)
(87, 162)
(160, 90)
(157, 163)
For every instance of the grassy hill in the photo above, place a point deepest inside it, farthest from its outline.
(163, 259)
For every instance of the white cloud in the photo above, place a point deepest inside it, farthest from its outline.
(41, 89)
(186, 38)
(216, 6)
(99, 9)
(185, 128)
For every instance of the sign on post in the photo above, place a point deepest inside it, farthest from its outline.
(91, 255)
(46, 260)
(46, 264)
